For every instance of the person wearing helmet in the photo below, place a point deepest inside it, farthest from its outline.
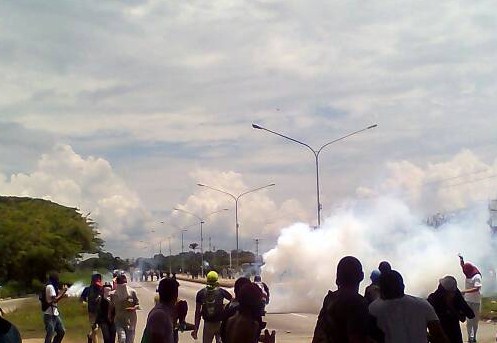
(210, 307)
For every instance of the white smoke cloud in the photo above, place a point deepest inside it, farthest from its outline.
(88, 184)
(302, 266)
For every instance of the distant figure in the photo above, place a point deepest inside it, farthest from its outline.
(244, 326)
(472, 295)
(450, 307)
(125, 303)
(265, 293)
(401, 317)
(92, 295)
(51, 314)
(384, 267)
(160, 327)
(344, 315)
(210, 307)
(8, 332)
(105, 315)
(372, 292)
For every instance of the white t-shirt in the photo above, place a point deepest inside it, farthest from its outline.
(474, 297)
(403, 319)
(49, 294)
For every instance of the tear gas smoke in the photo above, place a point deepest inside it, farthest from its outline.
(302, 266)
(76, 289)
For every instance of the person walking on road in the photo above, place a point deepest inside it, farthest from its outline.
(210, 307)
(105, 315)
(51, 316)
(125, 303)
(92, 295)
(344, 315)
(404, 318)
(472, 295)
(450, 308)
(161, 319)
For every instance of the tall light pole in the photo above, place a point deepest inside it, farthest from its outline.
(236, 198)
(316, 156)
(202, 221)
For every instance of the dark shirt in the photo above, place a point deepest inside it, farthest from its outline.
(344, 313)
(91, 295)
(8, 332)
(221, 294)
(450, 313)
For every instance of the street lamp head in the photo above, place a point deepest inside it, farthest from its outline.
(200, 184)
(255, 126)
(372, 126)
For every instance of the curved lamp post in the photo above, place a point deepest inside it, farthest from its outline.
(202, 221)
(236, 198)
(316, 156)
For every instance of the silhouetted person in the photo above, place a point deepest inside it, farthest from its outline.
(472, 295)
(372, 292)
(344, 315)
(450, 307)
(160, 321)
(401, 317)
(245, 325)
(384, 267)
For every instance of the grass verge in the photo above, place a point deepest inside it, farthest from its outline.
(29, 319)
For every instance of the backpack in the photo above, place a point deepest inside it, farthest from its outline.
(212, 307)
(94, 297)
(43, 299)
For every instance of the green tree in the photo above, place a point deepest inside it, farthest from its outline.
(38, 235)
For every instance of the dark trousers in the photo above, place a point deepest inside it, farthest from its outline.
(108, 332)
(53, 325)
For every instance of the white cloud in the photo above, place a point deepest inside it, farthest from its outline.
(88, 184)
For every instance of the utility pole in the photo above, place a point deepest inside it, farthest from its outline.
(210, 244)
(256, 247)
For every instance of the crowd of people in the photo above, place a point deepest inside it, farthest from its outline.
(385, 313)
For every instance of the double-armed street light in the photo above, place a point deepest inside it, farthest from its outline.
(201, 221)
(236, 198)
(316, 153)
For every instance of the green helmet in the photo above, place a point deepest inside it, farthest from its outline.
(212, 277)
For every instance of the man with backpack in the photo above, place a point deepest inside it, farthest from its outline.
(210, 306)
(92, 295)
(51, 316)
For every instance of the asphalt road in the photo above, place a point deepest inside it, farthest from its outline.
(289, 327)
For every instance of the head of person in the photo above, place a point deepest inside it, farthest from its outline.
(168, 291)
(391, 285)
(121, 279)
(107, 288)
(53, 279)
(349, 272)
(96, 279)
(239, 283)
(384, 267)
(469, 270)
(212, 279)
(257, 278)
(250, 300)
(375, 277)
(448, 286)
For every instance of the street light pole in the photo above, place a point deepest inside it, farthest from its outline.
(201, 231)
(236, 198)
(316, 156)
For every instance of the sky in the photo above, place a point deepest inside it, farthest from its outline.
(119, 108)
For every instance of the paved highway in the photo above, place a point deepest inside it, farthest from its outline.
(289, 327)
